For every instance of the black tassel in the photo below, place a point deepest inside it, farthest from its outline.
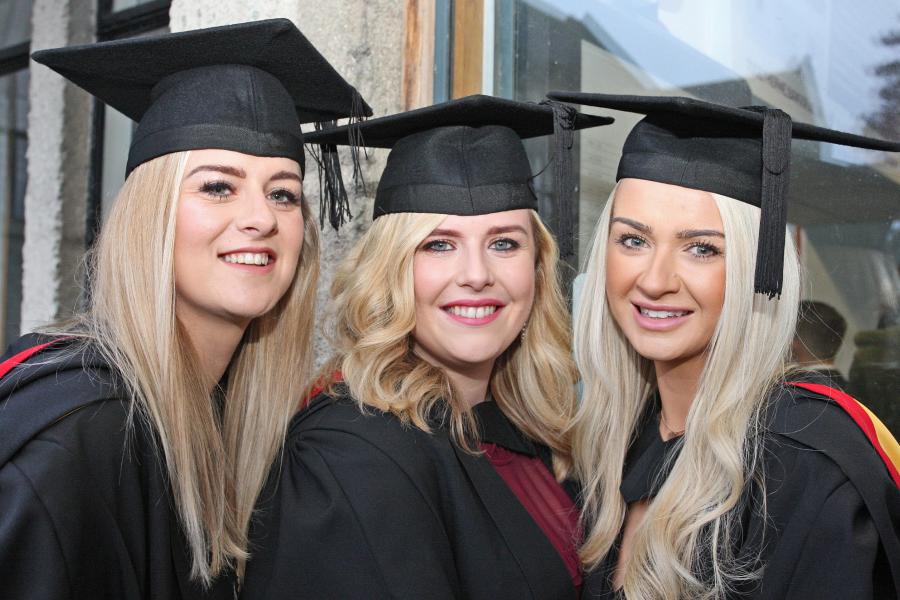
(333, 200)
(776, 163)
(357, 115)
(563, 176)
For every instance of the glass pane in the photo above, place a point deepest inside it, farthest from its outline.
(15, 22)
(823, 61)
(118, 5)
(13, 142)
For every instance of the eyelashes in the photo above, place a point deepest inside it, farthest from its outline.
(500, 245)
(702, 250)
(223, 189)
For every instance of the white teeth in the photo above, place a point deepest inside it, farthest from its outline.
(472, 312)
(247, 258)
(662, 314)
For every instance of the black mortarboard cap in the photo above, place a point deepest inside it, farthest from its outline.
(461, 157)
(743, 153)
(244, 87)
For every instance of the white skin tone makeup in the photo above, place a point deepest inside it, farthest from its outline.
(474, 281)
(665, 284)
(238, 237)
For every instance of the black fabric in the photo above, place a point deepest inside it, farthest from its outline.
(244, 87)
(743, 153)
(366, 507)
(461, 157)
(85, 510)
(831, 528)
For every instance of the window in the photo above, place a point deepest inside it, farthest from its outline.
(15, 31)
(112, 130)
(823, 61)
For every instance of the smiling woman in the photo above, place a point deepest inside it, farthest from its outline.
(711, 469)
(133, 446)
(435, 458)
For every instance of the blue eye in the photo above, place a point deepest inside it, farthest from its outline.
(703, 250)
(218, 189)
(631, 241)
(438, 246)
(504, 244)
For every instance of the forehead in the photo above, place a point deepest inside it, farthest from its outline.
(481, 224)
(663, 206)
(246, 162)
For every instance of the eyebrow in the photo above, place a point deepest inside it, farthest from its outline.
(632, 223)
(219, 169)
(241, 174)
(692, 233)
(684, 234)
(491, 231)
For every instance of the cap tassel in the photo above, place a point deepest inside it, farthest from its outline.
(333, 200)
(357, 115)
(563, 175)
(776, 160)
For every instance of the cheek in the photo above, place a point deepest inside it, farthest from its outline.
(429, 279)
(619, 277)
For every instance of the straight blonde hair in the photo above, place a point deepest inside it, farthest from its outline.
(216, 460)
(681, 548)
(374, 316)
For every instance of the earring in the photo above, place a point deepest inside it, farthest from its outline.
(524, 333)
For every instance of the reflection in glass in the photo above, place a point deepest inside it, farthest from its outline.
(118, 5)
(13, 142)
(15, 22)
(823, 61)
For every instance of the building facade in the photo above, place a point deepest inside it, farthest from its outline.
(827, 62)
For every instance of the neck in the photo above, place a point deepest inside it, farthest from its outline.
(214, 341)
(470, 382)
(677, 384)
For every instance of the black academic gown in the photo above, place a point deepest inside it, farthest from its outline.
(363, 506)
(85, 510)
(832, 517)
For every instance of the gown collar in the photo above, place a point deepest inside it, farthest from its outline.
(494, 427)
(649, 459)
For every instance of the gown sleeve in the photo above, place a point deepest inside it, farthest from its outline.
(32, 565)
(839, 557)
(343, 518)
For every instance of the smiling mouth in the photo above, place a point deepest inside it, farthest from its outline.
(662, 314)
(260, 259)
(472, 312)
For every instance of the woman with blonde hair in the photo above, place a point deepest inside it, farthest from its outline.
(710, 470)
(135, 438)
(430, 465)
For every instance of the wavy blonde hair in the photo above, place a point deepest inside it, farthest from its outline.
(374, 316)
(681, 548)
(216, 463)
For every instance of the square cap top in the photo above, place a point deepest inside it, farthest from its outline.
(740, 152)
(244, 87)
(462, 157)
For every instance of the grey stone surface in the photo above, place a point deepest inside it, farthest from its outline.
(59, 127)
(364, 41)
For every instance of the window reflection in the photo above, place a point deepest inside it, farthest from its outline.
(824, 62)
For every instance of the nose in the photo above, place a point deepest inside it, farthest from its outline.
(660, 277)
(256, 216)
(474, 271)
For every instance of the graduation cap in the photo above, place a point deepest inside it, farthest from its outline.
(461, 157)
(244, 87)
(743, 153)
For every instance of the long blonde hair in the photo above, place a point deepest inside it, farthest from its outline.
(681, 548)
(374, 316)
(216, 463)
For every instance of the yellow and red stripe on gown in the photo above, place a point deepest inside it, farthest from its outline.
(879, 436)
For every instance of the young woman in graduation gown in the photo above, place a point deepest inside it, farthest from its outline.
(135, 438)
(709, 469)
(432, 465)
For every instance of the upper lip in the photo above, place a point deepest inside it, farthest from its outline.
(476, 302)
(660, 307)
(252, 250)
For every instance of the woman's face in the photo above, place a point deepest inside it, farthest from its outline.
(474, 281)
(665, 269)
(238, 236)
